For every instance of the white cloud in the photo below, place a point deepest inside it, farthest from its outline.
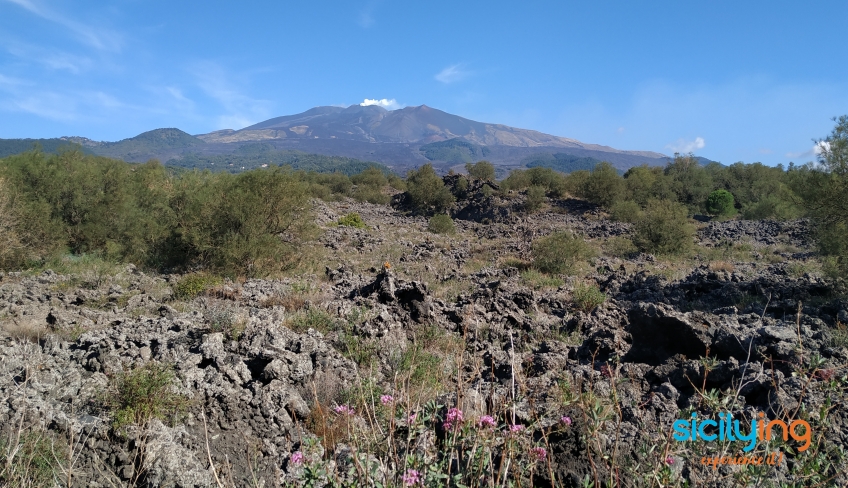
(453, 73)
(813, 152)
(52, 59)
(683, 146)
(385, 103)
(100, 39)
(241, 110)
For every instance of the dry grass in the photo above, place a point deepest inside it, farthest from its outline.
(27, 330)
(721, 266)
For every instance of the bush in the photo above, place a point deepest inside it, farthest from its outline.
(245, 224)
(518, 179)
(31, 458)
(560, 252)
(313, 318)
(587, 297)
(192, 285)
(352, 220)
(664, 228)
(483, 170)
(441, 224)
(535, 198)
(143, 394)
(721, 203)
(620, 247)
(12, 249)
(625, 211)
(603, 186)
(427, 191)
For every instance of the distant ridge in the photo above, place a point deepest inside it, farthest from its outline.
(399, 139)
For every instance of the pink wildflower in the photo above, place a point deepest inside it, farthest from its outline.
(387, 399)
(565, 419)
(411, 418)
(343, 410)
(516, 428)
(540, 453)
(487, 421)
(454, 418)
(297, 458)
(669, 460)
(412, 477)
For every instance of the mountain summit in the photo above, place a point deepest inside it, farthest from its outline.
(410, 125)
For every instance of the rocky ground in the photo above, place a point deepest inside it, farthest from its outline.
(745, 325)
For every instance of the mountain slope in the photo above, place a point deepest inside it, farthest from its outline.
(408, 125)
(149, 145)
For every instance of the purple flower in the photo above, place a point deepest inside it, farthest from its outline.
(297, 458)
(343, 410)
(669, 460)
(454, 418)
(565, 419)
(540, 453)
(387, 399)
(487, 421)
(411, 418)
(412, 477)
(516, 428)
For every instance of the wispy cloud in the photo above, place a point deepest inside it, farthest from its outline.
(101, 39)
(385, 103)
(683, 146)
(814, 152)
(453, 73)
(51, 59)
(240, 109)
(366, 19)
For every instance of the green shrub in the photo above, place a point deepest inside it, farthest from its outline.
(312, 318)
(518, 179)
(371, 195)
(30, 458)
(535, 198)
(560, 252)
(620, 247)
(487, 191)
(143, 394)
(441, 224)
(625, 211)
(587, 297)
(192, 285)
(483, 170)
(603, 186)
(664, 228)
(352, 220)
(372, 177)
(427, 192)
(12, 249)
(575, 182)
(246, 224)
(538, 280)
(721, 203)
(397, 183)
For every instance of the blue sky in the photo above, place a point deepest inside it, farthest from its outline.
(731, 81)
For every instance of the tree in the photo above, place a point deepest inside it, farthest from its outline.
(663, 228)
(603, 186)
(689, 181)
(427, 191)
(721, 203)
(828, 204)
(483, 170)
